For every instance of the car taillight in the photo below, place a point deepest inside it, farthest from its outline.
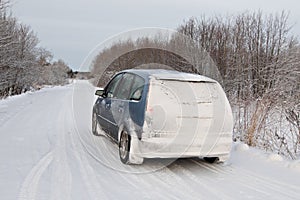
(149, 109)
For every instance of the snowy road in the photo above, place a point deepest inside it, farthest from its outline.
(48, 152)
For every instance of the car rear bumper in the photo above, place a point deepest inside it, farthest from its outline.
(172, 148)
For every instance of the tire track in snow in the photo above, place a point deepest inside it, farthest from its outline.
(249, 185)
(163, 178)
(57, 157)
(197, 181)
(269, 180)
(94, 188)
(30, 185)
(273, 185)
(260, 185)
(87, 149)
(136, 181)
(61, 178)
(168, 176)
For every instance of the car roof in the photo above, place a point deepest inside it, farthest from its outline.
(164, 74)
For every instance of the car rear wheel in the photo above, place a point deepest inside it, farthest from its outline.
(124, 147)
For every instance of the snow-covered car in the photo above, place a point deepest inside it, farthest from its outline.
(164, 114)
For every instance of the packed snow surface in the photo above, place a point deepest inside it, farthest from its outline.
(48, 152)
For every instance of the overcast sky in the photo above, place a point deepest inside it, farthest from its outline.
(72, 28)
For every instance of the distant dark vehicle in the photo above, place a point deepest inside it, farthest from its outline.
(164, 114)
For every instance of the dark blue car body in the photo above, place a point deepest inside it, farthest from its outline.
(128, 113)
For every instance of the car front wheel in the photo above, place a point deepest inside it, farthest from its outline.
(94, 124)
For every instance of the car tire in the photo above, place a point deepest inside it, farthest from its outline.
(124, 147)
(95, 124)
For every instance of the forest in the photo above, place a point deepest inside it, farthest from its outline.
(24, 65)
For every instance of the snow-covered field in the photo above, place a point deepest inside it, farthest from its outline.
(48, 152)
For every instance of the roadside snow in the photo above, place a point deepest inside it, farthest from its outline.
(48, 152)
(241, 147)
(275, 157)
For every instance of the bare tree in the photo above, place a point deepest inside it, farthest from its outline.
(20, 57)
(259, 62)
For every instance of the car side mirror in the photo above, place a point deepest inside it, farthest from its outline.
(99, 92)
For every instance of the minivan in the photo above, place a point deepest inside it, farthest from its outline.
(164, 114)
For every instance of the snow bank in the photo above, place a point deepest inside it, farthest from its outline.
(241, 147)
(275, 157)
(294, 165)
(241, 150)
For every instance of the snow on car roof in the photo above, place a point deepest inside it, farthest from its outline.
(183, 77)
(171, 75)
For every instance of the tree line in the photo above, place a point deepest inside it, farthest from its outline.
(23, 64)
(258, 60)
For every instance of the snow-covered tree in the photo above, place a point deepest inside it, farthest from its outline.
(259, 61)
(21, 60)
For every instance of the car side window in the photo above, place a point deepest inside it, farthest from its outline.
(137, 88)
(125, 86)
(112, 86)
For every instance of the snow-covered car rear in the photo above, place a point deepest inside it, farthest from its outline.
(164, 114)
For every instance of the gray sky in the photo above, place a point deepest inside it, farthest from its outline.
(72, 28)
